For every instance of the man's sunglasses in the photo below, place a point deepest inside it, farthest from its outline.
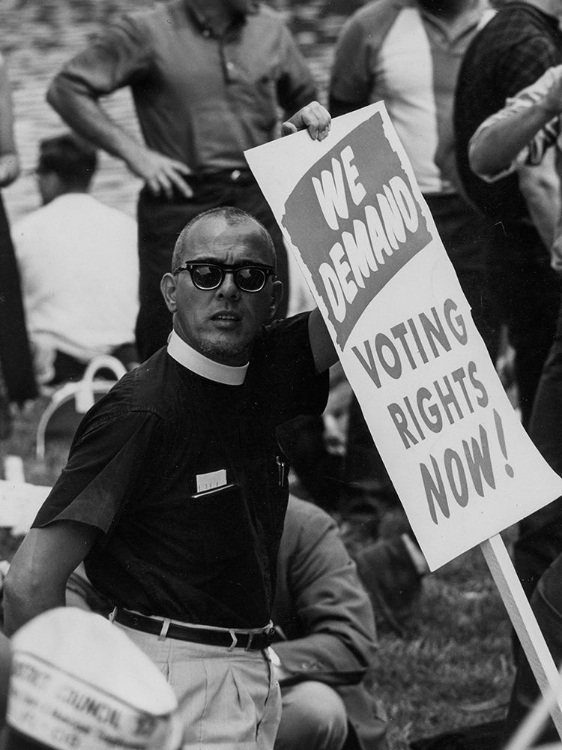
(208, 276)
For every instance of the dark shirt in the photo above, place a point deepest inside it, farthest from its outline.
(515, 48)
(200, 99)
(168, 548)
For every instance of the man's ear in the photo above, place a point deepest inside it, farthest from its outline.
(168, 289)
(276, 297)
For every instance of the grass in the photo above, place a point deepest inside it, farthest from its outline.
(453, 667)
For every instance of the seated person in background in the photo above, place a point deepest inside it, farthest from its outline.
(325, 637)
(325, 640)
(79, 267)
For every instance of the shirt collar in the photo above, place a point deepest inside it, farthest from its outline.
(478, 14)
(197, 16)
(193, 360)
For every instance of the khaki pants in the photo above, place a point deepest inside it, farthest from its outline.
(230, 698)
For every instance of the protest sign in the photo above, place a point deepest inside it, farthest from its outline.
(365, 240)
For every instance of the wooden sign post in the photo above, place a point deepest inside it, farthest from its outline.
(524, 624)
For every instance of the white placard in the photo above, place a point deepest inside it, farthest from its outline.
(354, 217)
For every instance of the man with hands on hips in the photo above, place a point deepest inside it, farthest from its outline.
(208, 79)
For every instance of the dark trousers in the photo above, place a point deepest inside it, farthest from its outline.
(468, 239)
(526, 292)
(16, 365)
(540, 535)
(547, 607)
(160, 223)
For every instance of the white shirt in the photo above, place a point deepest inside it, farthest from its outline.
(79, 271)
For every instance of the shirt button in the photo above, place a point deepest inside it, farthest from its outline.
(235, 175)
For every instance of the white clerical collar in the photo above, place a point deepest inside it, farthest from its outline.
(201, 365)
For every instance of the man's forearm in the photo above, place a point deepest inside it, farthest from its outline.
(37, 577)
(497, 145)
(22, 603)
(84, 114)
(322, 656)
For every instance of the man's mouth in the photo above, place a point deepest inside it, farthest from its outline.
(226, 318)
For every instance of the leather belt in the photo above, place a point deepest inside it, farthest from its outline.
(165, 629)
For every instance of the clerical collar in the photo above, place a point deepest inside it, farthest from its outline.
(201, 365)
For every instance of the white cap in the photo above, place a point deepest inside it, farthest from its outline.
(79, 683)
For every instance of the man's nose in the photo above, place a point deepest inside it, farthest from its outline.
(228, 287)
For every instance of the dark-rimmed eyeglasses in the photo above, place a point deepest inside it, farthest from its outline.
(209, 276)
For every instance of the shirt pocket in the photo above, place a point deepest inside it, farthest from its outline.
(222, 521)
(258, 99)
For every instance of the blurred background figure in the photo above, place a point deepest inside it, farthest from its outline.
(325, 640)
(208, 81)
(17, 382)
(518, 45)
(516, 48)
(520, 135)
(79, 267)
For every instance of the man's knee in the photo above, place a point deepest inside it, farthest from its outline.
(313, 716)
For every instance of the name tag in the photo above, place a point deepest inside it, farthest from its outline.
(211, 480)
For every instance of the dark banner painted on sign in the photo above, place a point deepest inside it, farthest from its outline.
(370, 222)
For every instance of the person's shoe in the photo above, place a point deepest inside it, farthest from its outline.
(391, 579)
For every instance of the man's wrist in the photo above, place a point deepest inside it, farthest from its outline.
(548, 108)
